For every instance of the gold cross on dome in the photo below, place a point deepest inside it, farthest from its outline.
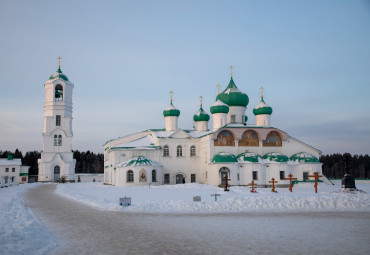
(201, 100)
(231, 68)
(218, 88)
(59, 58)
(171, 93)
(261, 88)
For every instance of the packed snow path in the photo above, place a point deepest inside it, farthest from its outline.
(81, 229)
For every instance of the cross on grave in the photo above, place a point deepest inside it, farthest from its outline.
(215, 195)
(226, 183)
(316, 176)
(290, 182)
(273, 184)
(253, 184)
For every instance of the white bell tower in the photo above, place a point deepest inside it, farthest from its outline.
(57, 156)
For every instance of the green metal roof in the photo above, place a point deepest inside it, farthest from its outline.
(140, 161)
(171, 111)
(201, 115)
(58, 74)
(232, 96)
(303, 157)
(249, 157)
(262, 108)
(219, 107)
(276, 157)
(224, 157)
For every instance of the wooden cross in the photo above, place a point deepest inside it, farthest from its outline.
(316, 176)
(215, 195)
(59, 58)
(171, 93)
(226, 182)
(290, 182)
(253, 184)
(273, 184)
(261, 88)
(201, 100)
(231, 68)
(218, 88)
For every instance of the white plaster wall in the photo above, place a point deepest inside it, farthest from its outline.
(122, 175)
(219, 120)
(201, 125)
(238, 111)
(263, 120)
(171, 123)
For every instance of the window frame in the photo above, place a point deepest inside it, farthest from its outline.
(166, 179)
(193, 152)
(166, 151)
(13, 169)
(305, 176)
(282, 174)
(154, 175)
(179, 151)
(129, 176)
(193, 178)
(255, 175)
(7, 170)
(57, 120)
(59, 140)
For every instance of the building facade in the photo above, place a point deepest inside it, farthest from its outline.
(12, 171)
(233, 149)
(57, 157)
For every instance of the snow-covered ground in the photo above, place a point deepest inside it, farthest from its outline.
(179, 198)
(20, 230)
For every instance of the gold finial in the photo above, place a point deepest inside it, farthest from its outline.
(261, 91)
(201, 100)
(171, 93)
(218, 88)
(231, 68)
(59, 58)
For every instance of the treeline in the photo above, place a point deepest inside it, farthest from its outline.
(334, 166)
(86, 162)
(89, 162)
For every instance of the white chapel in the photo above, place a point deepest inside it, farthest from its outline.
(57, 156)
(233, 148)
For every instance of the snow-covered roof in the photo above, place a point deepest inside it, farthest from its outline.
(249, 157)
(146, 142)
(139, 161)
(12, 162)
(192, 133)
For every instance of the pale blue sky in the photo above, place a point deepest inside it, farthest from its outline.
(312, 57)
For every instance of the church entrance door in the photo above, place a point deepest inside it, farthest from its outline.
(56, 173)
(180, 179)
(224, 171)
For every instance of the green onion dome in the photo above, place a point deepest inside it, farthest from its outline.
(171, 111)
(249, 157)
(201, 115)
(219, 107)
(224, 157)
(262, 108)
(232, 96)
(276, 157)
(304, 157)
(58, 74)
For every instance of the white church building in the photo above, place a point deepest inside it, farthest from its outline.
(57, 157)
(234, 148)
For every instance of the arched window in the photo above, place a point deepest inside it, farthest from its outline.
(179, 151)
(55, 140)
(58, 92)
(166, 151)
(130, 176)
(59, 140)
(192, 151)
(249, 138)
(273, 139)
(225, 138)
(154, 176)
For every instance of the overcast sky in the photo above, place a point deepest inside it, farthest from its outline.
(312, 58)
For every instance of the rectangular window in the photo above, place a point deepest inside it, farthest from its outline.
(232, 118)
(255, 175)
(57, 121)
(282, 175)
(206, 174)
(193, 178)
(6, 169)
(13, 169)
(238, 177)
(305, 176)
(167, 179)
